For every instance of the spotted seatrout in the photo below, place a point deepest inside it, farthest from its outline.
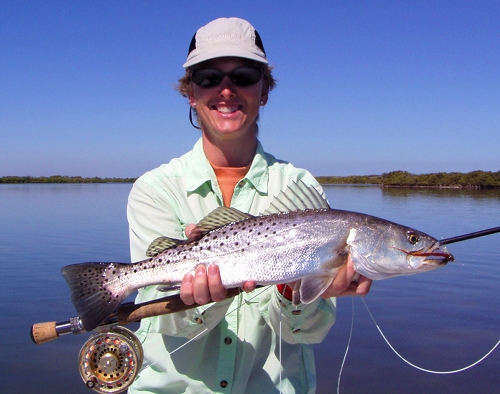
(305, 245)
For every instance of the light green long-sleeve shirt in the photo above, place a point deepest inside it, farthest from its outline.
(237, 341)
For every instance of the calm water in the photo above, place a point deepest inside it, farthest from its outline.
(443, 320)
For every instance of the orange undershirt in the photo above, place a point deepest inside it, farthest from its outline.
(228, 177)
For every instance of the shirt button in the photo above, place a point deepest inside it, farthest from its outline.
(296, 312)
(228, 340)
(223, 384)
(296, 331)
(198, 320)
(241, 183)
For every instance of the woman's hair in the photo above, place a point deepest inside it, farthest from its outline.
(185, 85)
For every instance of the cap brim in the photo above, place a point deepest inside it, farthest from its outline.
(196, 56)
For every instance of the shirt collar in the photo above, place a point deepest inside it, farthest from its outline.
(200, 171)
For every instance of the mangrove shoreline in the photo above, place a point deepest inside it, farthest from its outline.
(470, 180)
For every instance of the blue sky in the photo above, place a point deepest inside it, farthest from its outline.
(364, 87)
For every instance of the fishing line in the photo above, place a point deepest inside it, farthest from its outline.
(347, 348)
(486, 273)
(420, 368)
(206, 329)
(279, 348)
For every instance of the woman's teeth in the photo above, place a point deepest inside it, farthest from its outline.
(227, 109)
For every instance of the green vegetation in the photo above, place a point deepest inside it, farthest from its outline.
(61, 179)
(474, 179)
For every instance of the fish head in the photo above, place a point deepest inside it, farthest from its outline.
(382, 250)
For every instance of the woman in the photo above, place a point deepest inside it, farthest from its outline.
(237, 341)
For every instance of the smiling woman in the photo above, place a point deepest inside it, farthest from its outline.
(242, 345)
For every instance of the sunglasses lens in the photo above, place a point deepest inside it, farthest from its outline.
(207, 77)
(242, 76)
(246, 76)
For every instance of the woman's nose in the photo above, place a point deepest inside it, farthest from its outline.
(227, 87)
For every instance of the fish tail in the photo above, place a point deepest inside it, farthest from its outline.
(96, 290)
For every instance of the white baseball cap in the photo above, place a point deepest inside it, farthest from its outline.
(226, 37)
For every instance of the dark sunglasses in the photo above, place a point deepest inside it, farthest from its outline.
(241, 76)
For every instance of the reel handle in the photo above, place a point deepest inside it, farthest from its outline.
(44, 332)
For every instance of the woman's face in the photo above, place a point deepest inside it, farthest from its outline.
(227, 110)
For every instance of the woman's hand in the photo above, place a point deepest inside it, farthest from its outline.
(344, 285)
(206, 284)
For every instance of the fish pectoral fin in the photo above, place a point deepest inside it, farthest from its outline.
(339, 259)
(161, 244)
(312, 287)
(220, 217)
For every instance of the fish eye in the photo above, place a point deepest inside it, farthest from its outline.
(412, 237)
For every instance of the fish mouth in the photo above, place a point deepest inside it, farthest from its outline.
(435, 255)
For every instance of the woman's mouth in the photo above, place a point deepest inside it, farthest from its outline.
(227, 109)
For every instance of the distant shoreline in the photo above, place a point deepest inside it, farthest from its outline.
(470, 180)
(62, 179)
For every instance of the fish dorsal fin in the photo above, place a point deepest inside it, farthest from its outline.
(297, 197)
(220, 217)
(160, 244)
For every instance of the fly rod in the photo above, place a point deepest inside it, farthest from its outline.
(469, 236)
(126, 313)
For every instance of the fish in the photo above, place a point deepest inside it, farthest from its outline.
(299, 238)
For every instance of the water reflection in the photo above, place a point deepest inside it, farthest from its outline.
(444, 319)
(398, 192)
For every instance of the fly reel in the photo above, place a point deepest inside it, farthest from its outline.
(110, 360)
